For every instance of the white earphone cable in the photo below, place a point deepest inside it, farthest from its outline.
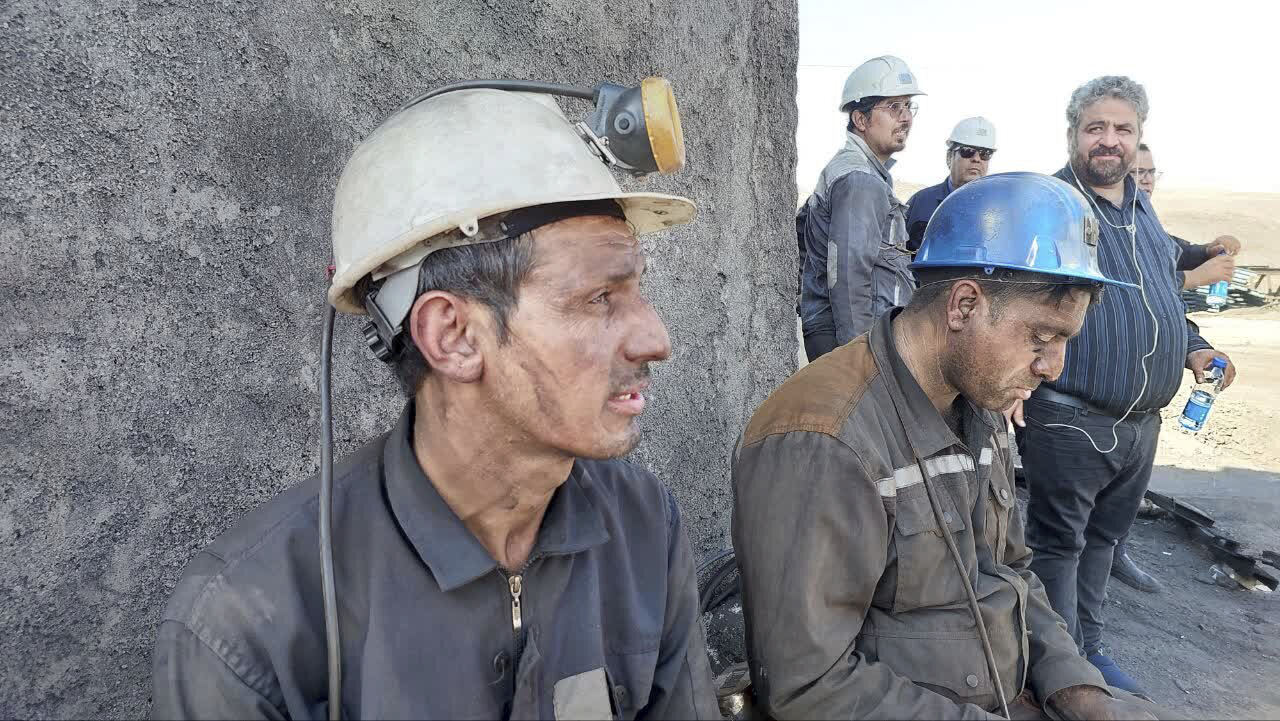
(1132, 227)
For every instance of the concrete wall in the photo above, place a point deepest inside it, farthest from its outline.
(166, 176)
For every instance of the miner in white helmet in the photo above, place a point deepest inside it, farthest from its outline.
(969, 149)
(493, 558)
(852, 229)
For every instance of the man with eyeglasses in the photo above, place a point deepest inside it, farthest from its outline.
(852, 230)
(969, 151)
(1198, 265)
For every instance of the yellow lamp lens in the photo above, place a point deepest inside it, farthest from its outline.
(662, 120)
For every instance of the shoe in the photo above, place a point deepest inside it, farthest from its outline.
(1113, 674)
(1128, 572)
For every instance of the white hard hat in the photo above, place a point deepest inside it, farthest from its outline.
(975, 132)
(886, 76)
(425, 178)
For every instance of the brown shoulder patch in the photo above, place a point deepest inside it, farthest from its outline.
(819, 397)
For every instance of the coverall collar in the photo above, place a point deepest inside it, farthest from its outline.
(926, 430)
(455, 556)
(855, 143)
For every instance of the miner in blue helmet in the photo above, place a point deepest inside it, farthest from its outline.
(881, 553)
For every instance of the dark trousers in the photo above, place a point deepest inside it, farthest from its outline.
(1081, 503)
(819, 344)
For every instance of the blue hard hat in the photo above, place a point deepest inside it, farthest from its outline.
(1018, 221)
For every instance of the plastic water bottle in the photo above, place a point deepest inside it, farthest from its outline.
(1217, 295)
(1200, 403)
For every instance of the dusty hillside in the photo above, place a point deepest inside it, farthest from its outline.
(1200, 216)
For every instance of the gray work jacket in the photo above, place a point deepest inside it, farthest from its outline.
(607, 606)
(855, 264)
(854, 606)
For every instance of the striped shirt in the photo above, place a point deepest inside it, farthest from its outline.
(1104, 364)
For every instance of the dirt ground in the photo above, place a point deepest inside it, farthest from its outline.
(1204, 650)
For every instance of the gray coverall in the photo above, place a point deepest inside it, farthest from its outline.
(855, 263)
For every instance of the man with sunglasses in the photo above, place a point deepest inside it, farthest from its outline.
(852, 230)
(969, 150)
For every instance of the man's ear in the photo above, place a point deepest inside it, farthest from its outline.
(442, 325)
(853, 118)
(963, 302)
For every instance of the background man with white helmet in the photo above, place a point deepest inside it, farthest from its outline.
(884, 573)
(853, 233)
(490, 561)
(1088, 441)
(969, 151)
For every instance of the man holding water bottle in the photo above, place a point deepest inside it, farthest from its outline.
(1198, 266)
(1088, 438)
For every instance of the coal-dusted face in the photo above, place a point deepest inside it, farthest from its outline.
(1001, 350)
(573, 375)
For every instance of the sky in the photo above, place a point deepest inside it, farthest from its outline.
(1211, 71)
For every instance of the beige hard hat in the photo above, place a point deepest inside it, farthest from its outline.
(426, 178)
(975, 132)
(886, 76)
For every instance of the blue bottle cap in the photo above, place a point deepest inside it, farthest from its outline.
(1218, 363)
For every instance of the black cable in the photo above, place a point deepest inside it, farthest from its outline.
(711, 595)
(527, 86)
(332, 637)
(974, 608)
(724, 595)
(945, 529)
(713, 560)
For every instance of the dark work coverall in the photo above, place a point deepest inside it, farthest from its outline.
(854, 606)
(608, 606)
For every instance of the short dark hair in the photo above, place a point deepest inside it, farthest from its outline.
(1000, 286)
(863, 106)
(489, 273)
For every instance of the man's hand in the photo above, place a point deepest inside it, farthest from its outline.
(1198, 361)
(1014, 414)
(1024, 708)
(1224, 244)
(1091, 702)
(1219, 267)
